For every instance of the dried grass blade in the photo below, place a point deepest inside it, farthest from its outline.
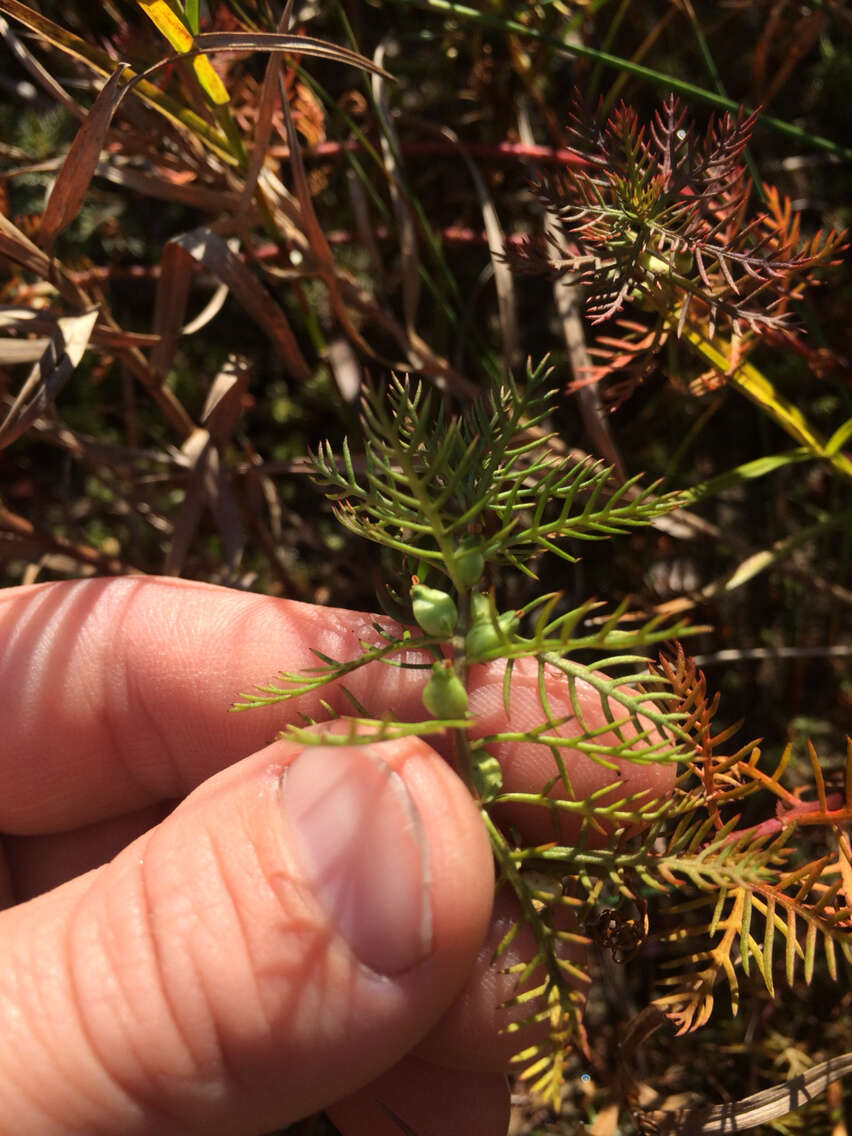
(769, 1104)
(22, 528)
(345, 368)
(151, 185)
(69, 188)
(504, 280)
(176, 271)
(313, 230)
(343, 290)
(22, 350)
(20, 249)
(276, 41)
(27, 319)
(807, 30)
(221, 414)
(420, 355)
(197, 451)
(366, 230)
(263, 127)
(13, 317)
(208, 485)
(210, 310)
(224, 403)
(226, 513)
(409, 255)
(211, 251)
(50, 374)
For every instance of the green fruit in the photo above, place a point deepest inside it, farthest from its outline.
(684, 262)
(653, 264)
(434, 610)
(487, 776)
(664, 264)
(444, 695)
(483, 636)
(469, 562)
(480, 607)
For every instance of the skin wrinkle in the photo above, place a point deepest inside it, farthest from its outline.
(169, 779)
(227, 1066)
(135, 695)
(290, 894)
(188, 636)
(70, 1001)
(288, 984)
(22, 1085)
(78, 1001)
(213, 1080)
(160, 969)
(110, 718)
(112, 951)
(40, 648)
(193, 1064)
(305, 986)
(113, 963)
(248, 877)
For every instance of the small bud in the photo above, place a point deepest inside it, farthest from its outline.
(480, 607)
(444, 695)
(684, 262)
(483, 635)
(434, 610)
(487, 776)
(469, 562)
(664, 264)
(652, 263)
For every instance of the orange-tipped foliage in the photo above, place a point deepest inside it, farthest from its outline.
(658, 221)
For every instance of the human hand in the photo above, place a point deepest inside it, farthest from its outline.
(196, 940)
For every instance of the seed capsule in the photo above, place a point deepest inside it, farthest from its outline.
(663, 264)
(483, 635)
(434, 610)
(469, 562)
(487, 777)
(444, 695)
(480, 606)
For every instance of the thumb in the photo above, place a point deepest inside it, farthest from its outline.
(292, 929)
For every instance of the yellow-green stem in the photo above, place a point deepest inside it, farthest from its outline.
(751, 382)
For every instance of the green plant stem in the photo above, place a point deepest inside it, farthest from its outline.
(751, 382)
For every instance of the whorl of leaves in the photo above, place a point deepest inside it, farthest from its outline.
(657, 219)
(428, 479)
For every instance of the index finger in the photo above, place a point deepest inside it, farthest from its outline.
(121, 690)
(117, 691)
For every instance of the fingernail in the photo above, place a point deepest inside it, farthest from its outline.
(360, 843)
